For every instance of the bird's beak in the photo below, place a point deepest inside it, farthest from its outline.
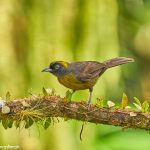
(47, 70)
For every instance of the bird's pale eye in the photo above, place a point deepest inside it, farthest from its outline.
(57, 67)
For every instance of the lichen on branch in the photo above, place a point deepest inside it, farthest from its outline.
(44, 109)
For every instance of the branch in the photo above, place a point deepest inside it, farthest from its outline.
(34, 109)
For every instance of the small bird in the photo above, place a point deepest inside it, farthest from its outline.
(82, 75)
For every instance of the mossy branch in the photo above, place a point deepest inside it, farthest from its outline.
(34, 109)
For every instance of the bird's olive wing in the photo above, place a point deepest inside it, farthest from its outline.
(85, 71)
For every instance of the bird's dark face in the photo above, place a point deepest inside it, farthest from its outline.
(58, 68)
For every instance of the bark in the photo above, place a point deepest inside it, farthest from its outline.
(39, 108)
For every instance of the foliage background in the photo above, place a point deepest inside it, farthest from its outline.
(34, 33)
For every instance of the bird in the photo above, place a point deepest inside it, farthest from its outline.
(82, 75)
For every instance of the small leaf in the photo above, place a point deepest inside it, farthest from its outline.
(17, 124)
(100, 103)
(5, 110)
(47, 123)
(5, 123)
(8, 95)
(124, 101)
(53, 92)
(68, 95)
(145, 106)
(127, 107)
(28, 122)
(137, 106)
(44, 91)
(10, 123)
(110, 104)
(49, 91)
(137, 101)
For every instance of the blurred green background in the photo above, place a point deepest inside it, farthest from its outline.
(33, 33)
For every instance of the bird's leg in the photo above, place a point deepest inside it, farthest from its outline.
(90, 97)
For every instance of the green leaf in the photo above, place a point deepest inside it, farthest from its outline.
(137, 106)
(50, 91)
(44, 91)
(137, 101)
(17, 124)
(53, 92)
(28, 122)
(100, 103)
(145, 106)
(10, 123)
(8, 95)
(68, 95)
(5, 123)
(47, 123)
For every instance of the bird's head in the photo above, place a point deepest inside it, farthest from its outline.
(58, 68)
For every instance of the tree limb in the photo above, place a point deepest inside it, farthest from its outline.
(38, 108)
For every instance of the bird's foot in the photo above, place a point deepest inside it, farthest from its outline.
(89, 106)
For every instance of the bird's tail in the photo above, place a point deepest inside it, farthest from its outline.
(117, 61)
